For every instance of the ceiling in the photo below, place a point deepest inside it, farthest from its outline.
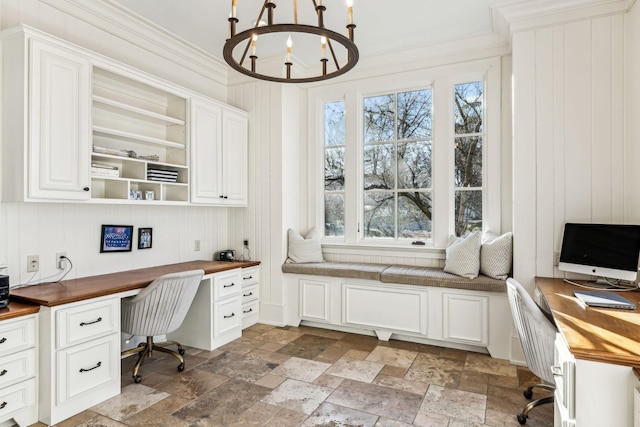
(382, 26)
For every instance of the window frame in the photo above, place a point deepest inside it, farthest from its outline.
(442, 81)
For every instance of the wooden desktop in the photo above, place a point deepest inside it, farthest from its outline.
(597, 358)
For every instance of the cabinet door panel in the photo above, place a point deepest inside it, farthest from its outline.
(466, 318)
(206, 152)
(60, 104)
(234, 153)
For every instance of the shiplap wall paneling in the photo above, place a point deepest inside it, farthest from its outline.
(632, 110)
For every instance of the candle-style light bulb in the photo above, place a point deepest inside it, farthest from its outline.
(289, 45)
(350, 11)
(233, 8)
(323, 41)
(254, 40)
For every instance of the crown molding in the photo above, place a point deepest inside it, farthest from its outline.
(120, 22)
(513, 16)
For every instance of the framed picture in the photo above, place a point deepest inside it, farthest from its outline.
(149, 195)
(144, 238)
(116, 238)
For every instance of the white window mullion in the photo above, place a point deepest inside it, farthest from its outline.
(353, 184)
(443, 202)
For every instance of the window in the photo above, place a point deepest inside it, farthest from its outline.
(397, 165)
(468, 139)
(334, 171)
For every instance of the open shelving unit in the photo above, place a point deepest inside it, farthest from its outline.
(137, 127)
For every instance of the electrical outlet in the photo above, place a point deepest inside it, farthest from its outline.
(33, 263)
(197, 245)
(60, 260)
(246, 243)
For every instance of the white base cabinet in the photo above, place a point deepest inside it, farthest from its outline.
(451, 317)
(18, 368)
(250, 296)
(79, 357)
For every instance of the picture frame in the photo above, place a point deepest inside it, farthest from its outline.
(145, 236)
(116, 238)
(149, 195)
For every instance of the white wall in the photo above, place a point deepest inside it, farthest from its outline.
(45, 228)
(569, 146)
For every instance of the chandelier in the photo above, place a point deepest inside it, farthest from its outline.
(329, 65)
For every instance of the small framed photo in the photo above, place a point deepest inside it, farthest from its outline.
(149, 195)
(116, 238)
(138, 195)
(132, 194)
(144, 238)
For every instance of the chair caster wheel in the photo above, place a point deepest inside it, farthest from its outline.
(528, 393)
(181, 367)
(137, 379)
(181, 351)
(521, 419)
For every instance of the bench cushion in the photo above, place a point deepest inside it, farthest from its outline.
(425, 276)
(349, 270)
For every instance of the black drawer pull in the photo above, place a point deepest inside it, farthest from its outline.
(91, 369)
(2, 340)
(247, 311)
(229, 316)
(99, 319)
(4, 371)
(247, 295)
(248, 278)
(228, 286)
(2, 405)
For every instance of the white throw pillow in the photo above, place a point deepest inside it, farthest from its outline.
(463, 255)
(304, 249)
(496, 255)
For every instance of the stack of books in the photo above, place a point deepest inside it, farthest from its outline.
(162, 175)
(102, 169)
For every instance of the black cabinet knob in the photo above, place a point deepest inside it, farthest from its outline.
(86, 188)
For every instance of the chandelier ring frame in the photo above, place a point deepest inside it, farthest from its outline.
(349, 45)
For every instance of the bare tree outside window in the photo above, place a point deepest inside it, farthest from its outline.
(397, 165)
(334, 173)
(468, 172)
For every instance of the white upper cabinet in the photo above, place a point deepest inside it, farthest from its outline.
(218, 154)
(46, 116)
(81, 127)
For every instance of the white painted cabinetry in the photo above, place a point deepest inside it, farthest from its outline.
(218, 154)
(18, 367)
(216, 312)
(79, 357)
(250, 296)
(46, 119)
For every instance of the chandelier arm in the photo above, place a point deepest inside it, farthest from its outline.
(295, 12)
(246, 49)
(333, 54)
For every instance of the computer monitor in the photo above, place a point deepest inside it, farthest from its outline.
(603, 250)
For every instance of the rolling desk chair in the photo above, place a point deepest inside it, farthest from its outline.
(159, 309)
(537, 334)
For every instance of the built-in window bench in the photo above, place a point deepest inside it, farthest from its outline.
(411, 303)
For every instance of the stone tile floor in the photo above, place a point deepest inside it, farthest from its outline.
(314, 377)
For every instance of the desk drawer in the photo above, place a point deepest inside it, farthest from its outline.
(87, 367)
(250, 276)
(250, 313)
(17, 397)
(249, 293)
(17, 367)
(16, 335)
(228, 316)
(226, 283)
(83, 322)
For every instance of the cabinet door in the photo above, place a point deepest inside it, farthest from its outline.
(206, 152)
(465, 318)
(59, 108)
(234, 152)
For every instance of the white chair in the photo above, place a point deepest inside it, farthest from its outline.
(537, 334)
(159, 309)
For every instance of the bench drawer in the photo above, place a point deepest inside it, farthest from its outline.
(17, 367)
(17, 335)
(83, 322)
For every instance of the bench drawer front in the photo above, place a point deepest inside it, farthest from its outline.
(385, 308)
(87, 321)
(17, 335)
(87, 367)
(226, 283)
(17, 367)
